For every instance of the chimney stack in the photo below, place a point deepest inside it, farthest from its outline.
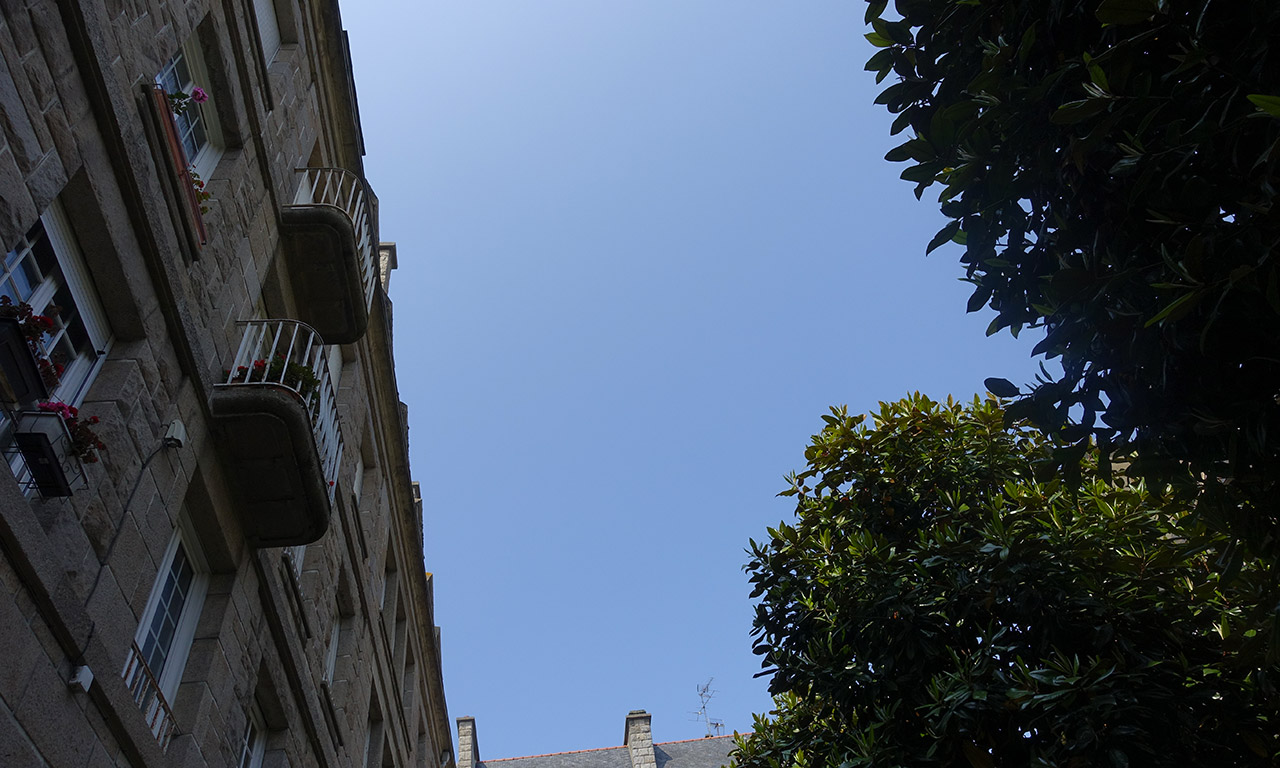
(639, 740)
(468, 747)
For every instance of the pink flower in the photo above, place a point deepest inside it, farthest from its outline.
(198, 95)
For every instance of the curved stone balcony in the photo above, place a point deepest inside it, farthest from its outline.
(330, 247)
(277, 424)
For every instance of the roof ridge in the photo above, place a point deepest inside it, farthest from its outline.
(553, 754)
(700, 738)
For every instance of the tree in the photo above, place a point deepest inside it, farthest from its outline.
(935, 605)
(1110, 169)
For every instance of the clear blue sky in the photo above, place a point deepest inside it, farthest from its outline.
(643, 245)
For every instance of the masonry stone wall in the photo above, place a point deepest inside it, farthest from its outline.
(639, 740)
(76, 573)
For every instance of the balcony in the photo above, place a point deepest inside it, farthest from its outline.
(329, 247)
(277, 426)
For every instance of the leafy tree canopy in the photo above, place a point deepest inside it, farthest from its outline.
(935, 605)
(1110, 169)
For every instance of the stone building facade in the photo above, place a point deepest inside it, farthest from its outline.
(210, 545)
(638, 750)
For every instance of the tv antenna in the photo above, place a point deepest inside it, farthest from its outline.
(705, 693)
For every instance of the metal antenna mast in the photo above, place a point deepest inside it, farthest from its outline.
(705, 693)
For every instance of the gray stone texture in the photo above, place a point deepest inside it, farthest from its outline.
(76, 574)
(639, 740)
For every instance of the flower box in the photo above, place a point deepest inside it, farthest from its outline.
(23, 381)
(52, 466)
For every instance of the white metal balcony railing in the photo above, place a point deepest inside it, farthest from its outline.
(291, 355)
(147, 695)
(344, 190)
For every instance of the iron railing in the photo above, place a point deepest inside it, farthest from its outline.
(344, 190)
(291, 355)
(146, 692)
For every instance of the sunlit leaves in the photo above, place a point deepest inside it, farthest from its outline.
(935, 603)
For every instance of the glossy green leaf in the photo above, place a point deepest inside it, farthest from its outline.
(1075, 111)
(944, 236)
(1268, 104)
(878, 40)
(1001, 387)
(1175, 309)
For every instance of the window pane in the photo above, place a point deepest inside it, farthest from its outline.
(45, 260)
(25, 266)
(166, 593)
(198, 135)
(184, 576)
(153, 653)
(182, 72)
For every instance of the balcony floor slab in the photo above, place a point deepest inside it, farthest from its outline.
(265, 436)
(323, 266)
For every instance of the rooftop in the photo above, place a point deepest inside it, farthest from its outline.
(708, 752)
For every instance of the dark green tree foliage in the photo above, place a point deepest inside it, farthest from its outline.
(935, 605)
(1110, 169)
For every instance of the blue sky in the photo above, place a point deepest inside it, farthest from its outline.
(643, 244)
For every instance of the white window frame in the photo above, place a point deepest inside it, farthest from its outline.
(170, 677)
(79, 376)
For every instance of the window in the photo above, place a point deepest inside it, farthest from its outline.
(46, 270)
(331, 653)
(254, 743)
(169, 622)
(357, 482)
(197, 126)
(264, 11)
